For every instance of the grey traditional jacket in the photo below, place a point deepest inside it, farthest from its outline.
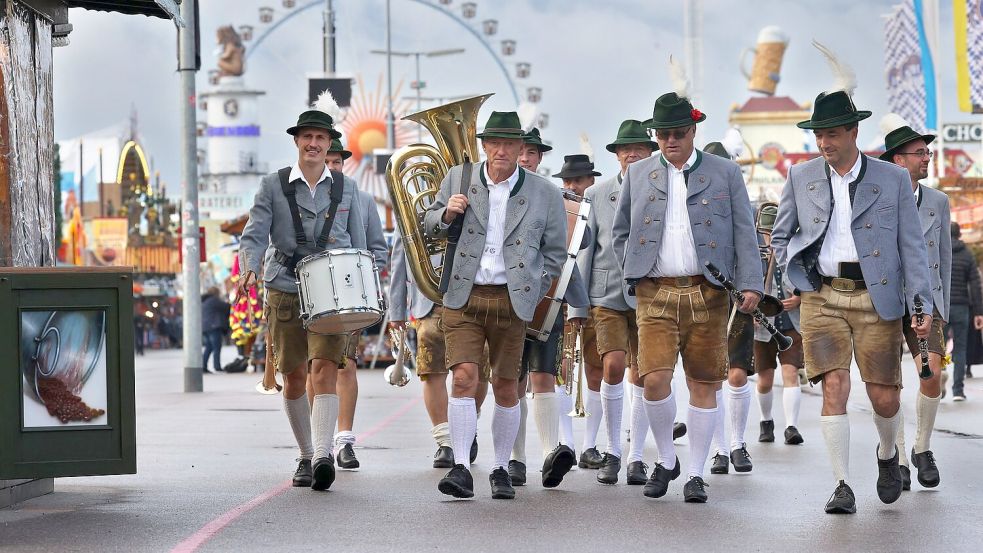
(597, 261)
(403, 291)
(891, 249)
(374, 237)
(270, 226)
(535, 237)
(719, 213)
(933, 210)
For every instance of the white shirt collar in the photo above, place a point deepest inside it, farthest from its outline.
(296, 173)
(513, 178)
(689, 162)
(854, 171)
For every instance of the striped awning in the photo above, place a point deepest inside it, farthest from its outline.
(153, 259)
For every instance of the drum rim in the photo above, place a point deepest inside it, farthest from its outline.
(329, 253)
(307, 322)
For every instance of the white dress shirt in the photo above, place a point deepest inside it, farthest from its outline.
(296, 173)
(677, 252)
(491, 267)
(838, 246)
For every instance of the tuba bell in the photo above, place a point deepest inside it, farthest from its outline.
(414, 182)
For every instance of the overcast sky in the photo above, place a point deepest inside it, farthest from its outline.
(597, 63)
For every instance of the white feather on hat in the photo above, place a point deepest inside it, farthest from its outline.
(677, 74)
(892, 122)
(844, 77)
(326, 103)
(585, 146)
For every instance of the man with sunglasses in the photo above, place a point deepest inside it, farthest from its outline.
(909, 149)
(676, 212)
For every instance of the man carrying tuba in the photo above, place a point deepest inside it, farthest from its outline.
(511, 246)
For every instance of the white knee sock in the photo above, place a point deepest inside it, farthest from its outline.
(343, 438)
(505, 425)
(887, 431)
(442, 434)
(700, 424)
(791, 401)
(764, 402)
(740, 405)
(324, 417)
(565, 403)
(546, 412)
(462, 418)
(902, 455)
(519, 449)
(299, 416)
(719, 443)
(836, 433)
(594, 413)
(662, 413)
(613, 398)
(925, 410)
(639, 424)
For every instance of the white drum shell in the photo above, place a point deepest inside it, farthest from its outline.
(339, 291)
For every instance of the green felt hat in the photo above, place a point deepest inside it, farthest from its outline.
(502, 124)
(532, 137)
(576, 165)
(314, 119)
(717, 149)
(632, 131)
(833, 109)
(672, 111)
(898, 138)
(337, 147)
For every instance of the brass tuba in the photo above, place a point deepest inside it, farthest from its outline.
(413, 183)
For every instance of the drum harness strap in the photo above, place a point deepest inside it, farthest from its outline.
(303, 248)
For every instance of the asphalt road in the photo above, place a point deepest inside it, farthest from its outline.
(214, 468)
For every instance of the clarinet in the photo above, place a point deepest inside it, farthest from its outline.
(783, 341)
(926, 371)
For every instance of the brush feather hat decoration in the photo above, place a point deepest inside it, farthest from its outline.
(322, 115)
(674, 109)
(834, 107)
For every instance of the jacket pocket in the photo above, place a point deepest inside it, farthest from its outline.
(598, 283)
(887, 217)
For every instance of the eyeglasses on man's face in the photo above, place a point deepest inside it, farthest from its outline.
(920, 153)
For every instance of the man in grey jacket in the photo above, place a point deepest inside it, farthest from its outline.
(678, 211)
(293, 351)
(511, 246)
(909, 149)
(839, 238)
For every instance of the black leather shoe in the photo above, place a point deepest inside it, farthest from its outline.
(457, 482)
(302, 476)
(444, 458)
(767, 434)
(678, 430)
(637, 473)
(658, 482)
(741, 459)
(889, 481)
(557, 464)
(501, 484)
(842, 502)
(905, 478)
(591, 459)
(517, 472)
(346, 458)
(474, 450)
(609, 469)
(928, 471)
(323, 474)
(792, 436)
(695, 490)
(720, 465)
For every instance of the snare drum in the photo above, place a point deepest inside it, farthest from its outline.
(339, 291)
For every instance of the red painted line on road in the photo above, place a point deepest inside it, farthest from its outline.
(208, 531)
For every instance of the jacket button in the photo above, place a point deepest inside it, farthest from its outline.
(642, 240)
(648, 220)
(936, 266)
(470, 231)
(474, 190)
(522, 201)
(815, 219)
(713, 244)
(704, 201)
(883, 281)
(613, 198)
(875, 190)
(932, 213)
(931, 242)
(526, 288)
(703, 179)
(812, 187)
(518, 242)
(457, 277)
(652, 198)
(708, 222)
(654, 175)
(521, 265)
(877, 253)
(463, 254)
(867, 225)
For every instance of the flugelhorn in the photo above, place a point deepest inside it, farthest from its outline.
(398, 374)
(268, 385)
(579, 409)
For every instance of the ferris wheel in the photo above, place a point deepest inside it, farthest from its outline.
(364, 126)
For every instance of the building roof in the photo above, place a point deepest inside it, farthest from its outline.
(167, 9)
(769, 103)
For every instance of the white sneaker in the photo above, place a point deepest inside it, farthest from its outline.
(958, 397)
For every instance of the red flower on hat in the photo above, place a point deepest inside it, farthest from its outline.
(696, 114)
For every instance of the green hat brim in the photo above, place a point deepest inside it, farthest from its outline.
(543, 148)
(652, 124)
(292, 131)
(497, 134)
(612, 146)
(888, 155)
(838, 121)
(345, 154)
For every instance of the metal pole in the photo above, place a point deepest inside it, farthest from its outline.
(189, 219)
(81, 182)
(419, 105)
(390, 116)
(329, 40)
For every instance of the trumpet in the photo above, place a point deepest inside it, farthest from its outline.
(398, 374)
(577, 373)
(269, 386)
